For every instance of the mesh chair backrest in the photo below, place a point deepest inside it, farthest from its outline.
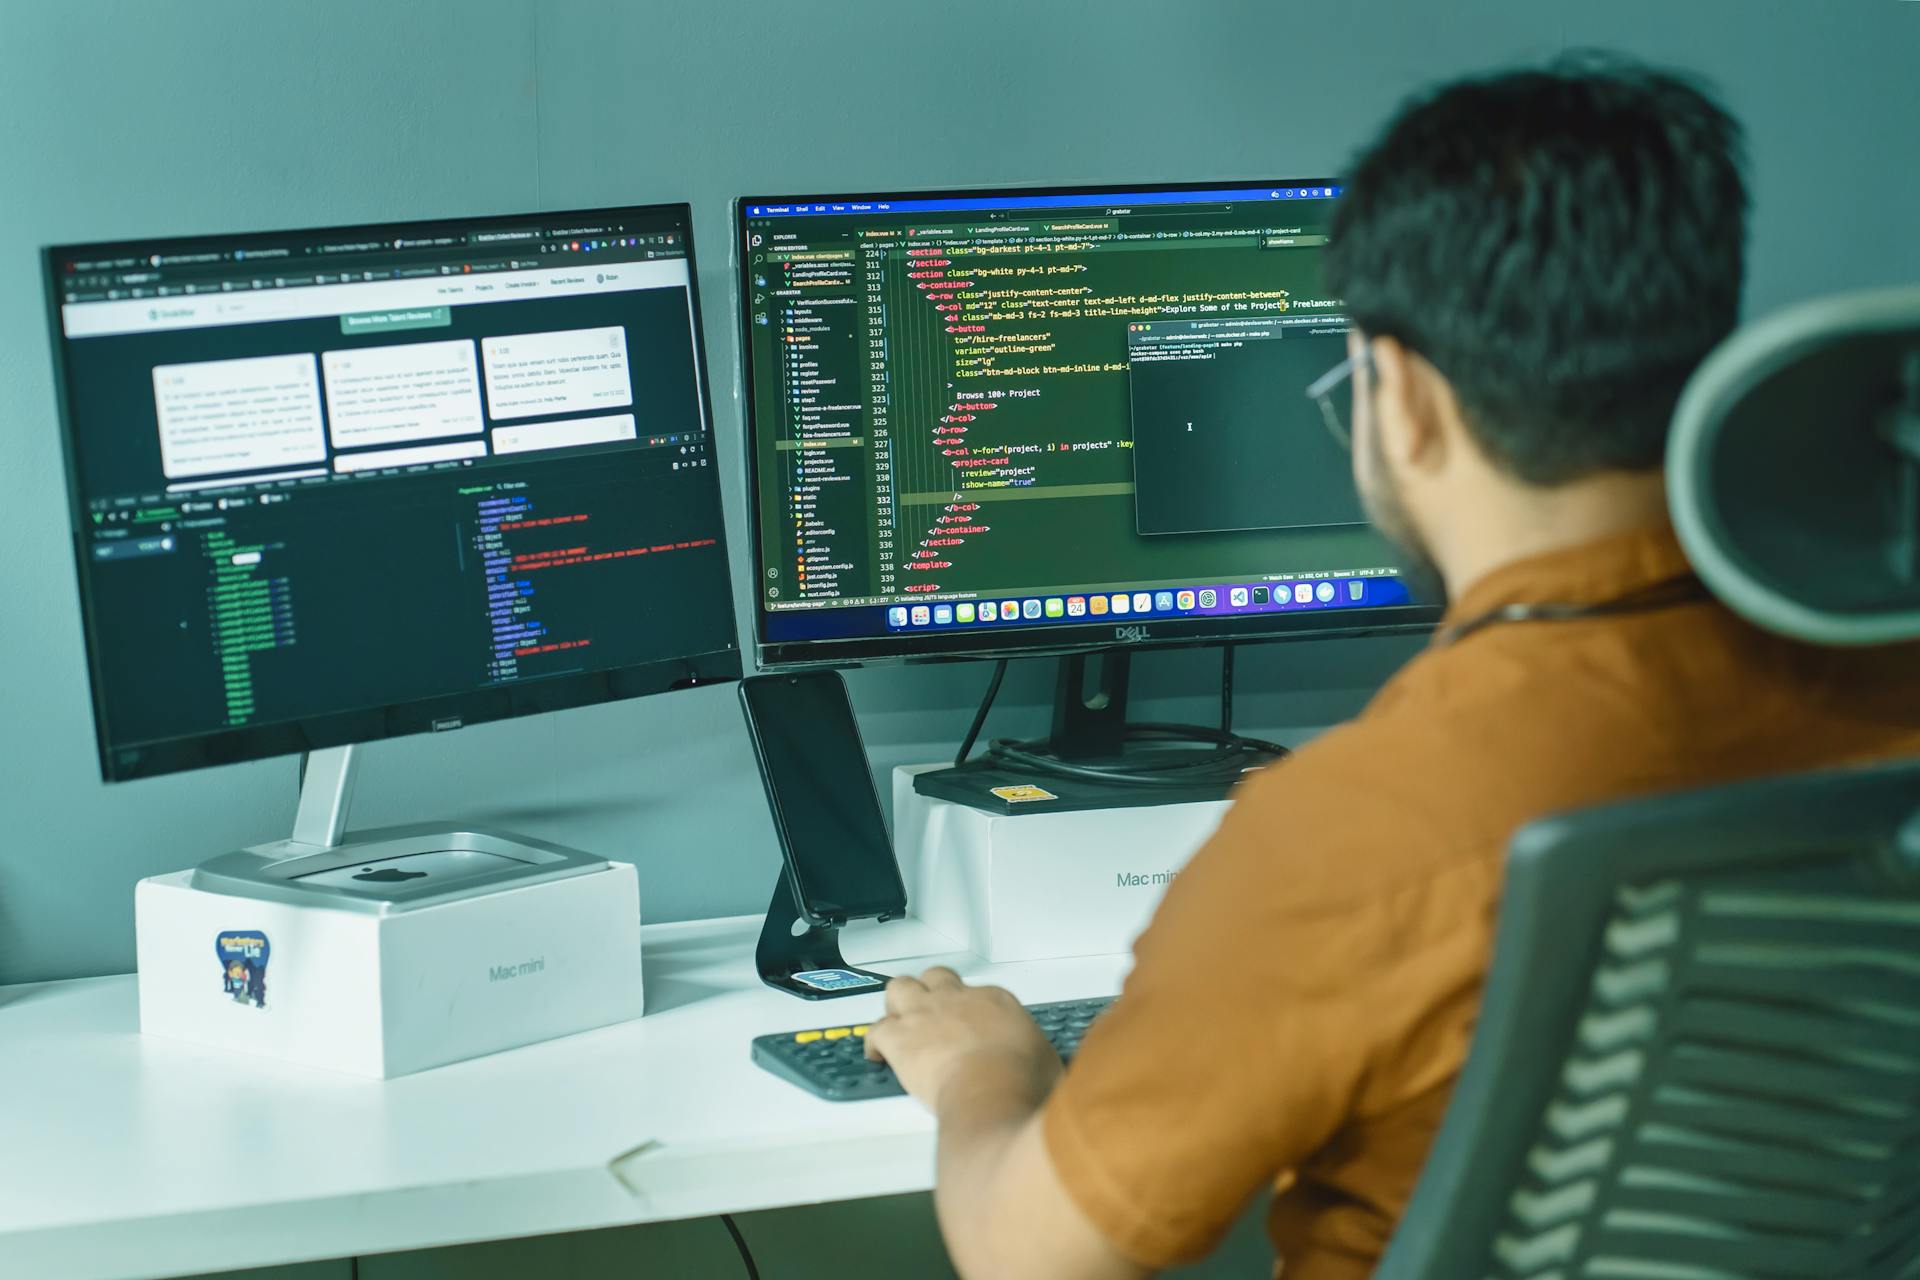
(1698, 1055)
(1742, 1094)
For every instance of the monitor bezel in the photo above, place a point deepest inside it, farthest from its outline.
(1054, 638)
(119, 763)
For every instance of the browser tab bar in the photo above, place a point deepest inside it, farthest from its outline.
(184, 259)
(83, 318)
(351, 246)
(506, 236)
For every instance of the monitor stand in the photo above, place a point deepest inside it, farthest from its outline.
(456, 863)
(1090, 728)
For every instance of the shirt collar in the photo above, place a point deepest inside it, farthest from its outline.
(1589, 573)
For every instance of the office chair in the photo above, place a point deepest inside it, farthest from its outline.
(1698, 1056)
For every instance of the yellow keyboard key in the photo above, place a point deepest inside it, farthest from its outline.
(805, 1037)
(860, 1030)
(838, 1033)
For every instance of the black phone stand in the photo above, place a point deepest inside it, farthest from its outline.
(783, 953)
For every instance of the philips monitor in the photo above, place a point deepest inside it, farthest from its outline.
(332, 486)
(994, 422)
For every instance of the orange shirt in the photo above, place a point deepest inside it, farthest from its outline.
(1302, 1002)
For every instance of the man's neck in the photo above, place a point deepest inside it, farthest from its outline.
(1517, 522)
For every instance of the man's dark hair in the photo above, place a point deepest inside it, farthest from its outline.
(1564, 245)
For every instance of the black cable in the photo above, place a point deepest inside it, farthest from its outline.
(1226, 687)
(980, 716)
(740, 1243)
(1227, 757)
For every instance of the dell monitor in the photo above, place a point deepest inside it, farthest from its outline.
(1015, 421)
(336, 485)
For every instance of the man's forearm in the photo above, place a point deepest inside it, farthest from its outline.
(1003, 1210)
(976, 1059)
(981, 1113)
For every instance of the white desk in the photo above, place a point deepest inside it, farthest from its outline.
(125, 1156)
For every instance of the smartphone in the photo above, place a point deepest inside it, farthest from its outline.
(833, 837)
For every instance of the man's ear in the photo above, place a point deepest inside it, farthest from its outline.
(1410, 406)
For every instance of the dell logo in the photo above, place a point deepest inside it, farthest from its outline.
(1130, 635)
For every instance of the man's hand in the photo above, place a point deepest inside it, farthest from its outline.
(980, 1064)
(938, 1030)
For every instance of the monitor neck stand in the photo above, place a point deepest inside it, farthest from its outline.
(1091, 724)
(791, 944)
(326, 792)
(482, 861)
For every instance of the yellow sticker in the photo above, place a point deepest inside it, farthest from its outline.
(1024, 793)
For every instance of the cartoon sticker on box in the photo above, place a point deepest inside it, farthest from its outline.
(243, 965)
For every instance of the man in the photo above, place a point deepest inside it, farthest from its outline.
(1534, 263)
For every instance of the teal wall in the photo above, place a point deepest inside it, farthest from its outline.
(162, 116)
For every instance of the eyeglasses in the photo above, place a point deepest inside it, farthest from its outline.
(1333, 392)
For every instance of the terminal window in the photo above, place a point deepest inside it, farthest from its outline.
(955, 400)
(1216, 447)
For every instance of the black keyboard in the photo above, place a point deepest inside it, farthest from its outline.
(832, 1061)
